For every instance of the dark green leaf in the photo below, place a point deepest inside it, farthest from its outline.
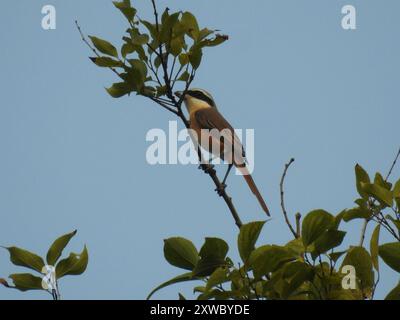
(380, 181)
(75, 264)
(183, 59)
(185, 76)
(57, 248)
(213, 254)
(106, 62)
(374, 247)
(26, 281)
(248, 237)
(360, 259)
(390, 253)
(384, 196)
(182, 278)
(104, 46)
(195, 57)
(268, 259)
(181, 297)
(357, 213)
(126, 8)
(314, 224)
(219, 39)
(394, 294)
(190, 23)
(181, 253)
(118, 90)
(24, 258)
(219, 276)
(328, 240)
(335, 256)
(361, 177)
(396, 190)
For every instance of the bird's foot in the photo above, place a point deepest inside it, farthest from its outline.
(221, 189)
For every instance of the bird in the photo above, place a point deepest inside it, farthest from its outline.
(206, 121)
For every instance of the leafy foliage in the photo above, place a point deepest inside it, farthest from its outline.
(156, 56)
(307, 267)
(75, 264)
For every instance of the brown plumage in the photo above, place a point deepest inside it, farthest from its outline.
(210, 118)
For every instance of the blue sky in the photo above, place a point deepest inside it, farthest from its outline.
(74, 158)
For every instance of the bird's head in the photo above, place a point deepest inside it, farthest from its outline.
(197, 99)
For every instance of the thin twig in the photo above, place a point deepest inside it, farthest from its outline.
(393, 165)
(295, 234)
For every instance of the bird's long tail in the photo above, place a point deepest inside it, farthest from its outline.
(253, 187)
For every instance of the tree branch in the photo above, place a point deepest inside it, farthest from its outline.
(294, 232)
(393, 165)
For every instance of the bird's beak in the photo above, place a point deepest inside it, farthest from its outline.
(179, 94)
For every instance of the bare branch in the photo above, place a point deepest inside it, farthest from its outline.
(295, 234)
(393, 165)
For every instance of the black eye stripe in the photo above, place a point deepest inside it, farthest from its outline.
(201, 96)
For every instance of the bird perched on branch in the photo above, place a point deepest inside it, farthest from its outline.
(215, 135)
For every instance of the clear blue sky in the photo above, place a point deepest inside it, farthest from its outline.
(73, 157)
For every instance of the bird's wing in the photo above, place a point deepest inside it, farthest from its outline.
(211, 119)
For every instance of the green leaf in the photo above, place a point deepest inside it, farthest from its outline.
(195, 57)
(361, 177)
(394, 294)
(181, 253)
(189, 21)
(390, 253)
(183, 59)
(74, 265)
(356, 213)
(219, 276)
(139, 66)
(118, 90)
(296, 247)
(268, 259)
(57, 248)
(152, 29)
(335, 256)
(219, 39)
(168, 25)
(248, 237)
(381, 194)
(380, 181)
(182, 278)
(360, 259)
(396, 190)
(204, 33)
(126, 8)
(374, 247)
(328, 240)
(26, 281)
(106, 62)
(24, 258)
(104, 46)
(127, 49)
(181, 297)
(185, 76)
(212, 256)
(176, 46)
(314, 224)
(214, 248)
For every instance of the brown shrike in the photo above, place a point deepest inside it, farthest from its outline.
(215, 135)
